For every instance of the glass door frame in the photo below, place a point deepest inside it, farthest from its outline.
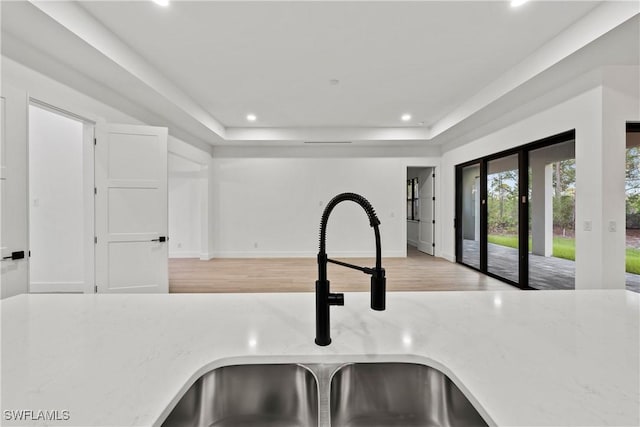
(523, 206)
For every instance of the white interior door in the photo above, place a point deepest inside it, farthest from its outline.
(14, 271)
(2, 174)
(2, 179)
(2, 155)
(427, 218)
(131, 209)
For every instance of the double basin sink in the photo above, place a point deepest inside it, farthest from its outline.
(345, 395)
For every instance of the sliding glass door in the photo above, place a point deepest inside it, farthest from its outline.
(552, 202)
(502, 217)
(470, 216)
(515, 214)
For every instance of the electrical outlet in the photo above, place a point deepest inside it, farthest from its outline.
(587, 225)
(612, 226)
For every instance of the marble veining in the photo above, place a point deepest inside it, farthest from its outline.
(544, 358)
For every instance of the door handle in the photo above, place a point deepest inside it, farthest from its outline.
(160, 239)
(14, 256)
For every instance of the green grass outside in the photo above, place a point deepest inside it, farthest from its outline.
(633, 261)
(505, 240)
(565, 247)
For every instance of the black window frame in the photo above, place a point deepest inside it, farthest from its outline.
(413, 215)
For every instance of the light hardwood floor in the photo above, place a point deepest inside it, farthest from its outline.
(417, 272)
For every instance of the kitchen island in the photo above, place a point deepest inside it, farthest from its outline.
(522, 358)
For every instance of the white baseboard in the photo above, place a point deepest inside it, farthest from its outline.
(184, 254)
(413, 243)
(205, 256)
(448, 257)
(49, 287)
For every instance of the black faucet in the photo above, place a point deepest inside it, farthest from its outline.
(324, 298)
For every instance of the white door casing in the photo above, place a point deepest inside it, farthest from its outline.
(131, 209)
(13, 220)
(2, 179)
(2, 139)
(426, 226)
(2, 173)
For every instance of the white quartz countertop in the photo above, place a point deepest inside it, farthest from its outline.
(554, 358)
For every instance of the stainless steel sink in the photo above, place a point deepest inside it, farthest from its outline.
(281, 395)
(318, 394)
(398, 394)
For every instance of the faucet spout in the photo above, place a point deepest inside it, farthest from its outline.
(324, 298)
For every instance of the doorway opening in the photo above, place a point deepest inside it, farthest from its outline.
(421, 209)
(186, 202)
(61, 201)
(632, 207)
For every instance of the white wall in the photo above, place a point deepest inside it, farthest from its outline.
(620, 103)
(271, 205)
(56, 208)
(599, 183)
(203, 159)
(185, 208)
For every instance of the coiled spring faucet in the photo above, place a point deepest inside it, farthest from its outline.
(324, 298)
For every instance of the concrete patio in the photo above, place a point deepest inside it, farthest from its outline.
(544, 272)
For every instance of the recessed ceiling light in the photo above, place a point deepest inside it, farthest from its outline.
(516, 3)
(406, 117)
(163, 3)
(251, 117)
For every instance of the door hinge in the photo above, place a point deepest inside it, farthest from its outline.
(95, 239)
(433, 244)
(95, 190)
(433, 221)
(95, 141)
(96, 289)
(433, 176)
(433, 198)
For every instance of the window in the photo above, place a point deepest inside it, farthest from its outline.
(412, 200)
